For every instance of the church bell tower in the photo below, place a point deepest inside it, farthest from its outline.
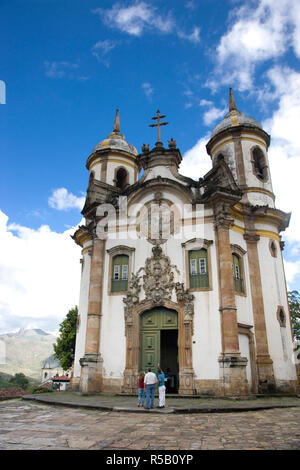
(113, 160)
(241, 141)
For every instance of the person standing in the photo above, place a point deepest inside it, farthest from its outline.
(141, 390)
(161, 388)
(150, 381)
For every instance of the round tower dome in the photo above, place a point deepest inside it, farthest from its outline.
(235, 118)
(114, 159)
(116, 140)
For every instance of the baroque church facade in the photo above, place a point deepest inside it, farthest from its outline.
(184, 273)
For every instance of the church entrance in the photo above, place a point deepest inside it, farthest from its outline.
(159, 344)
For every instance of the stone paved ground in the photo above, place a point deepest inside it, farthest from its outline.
(173, 403)
(31, 425)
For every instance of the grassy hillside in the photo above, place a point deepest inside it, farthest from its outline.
(5, 381)
(26, 351)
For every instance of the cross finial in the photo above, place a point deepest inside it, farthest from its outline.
(158, 117)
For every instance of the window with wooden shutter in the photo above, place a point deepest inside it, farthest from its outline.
(198, 268)
(119, 282)
(237, 273)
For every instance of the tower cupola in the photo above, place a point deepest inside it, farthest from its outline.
(242, 142)
(113, 160)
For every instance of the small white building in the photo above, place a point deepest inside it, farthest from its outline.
(185, 273)
(60, 382)
(50, 368)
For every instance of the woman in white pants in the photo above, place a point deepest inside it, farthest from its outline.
(161, 388)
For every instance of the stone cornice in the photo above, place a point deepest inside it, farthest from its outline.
(159, 156)
(237, 131)
(266, 214)
(105, 154)
(82, 235)
(201, 241)
(120, 249)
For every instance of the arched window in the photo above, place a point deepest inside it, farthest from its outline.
(119, 282)
(237, 273)
(281, 316)
(121, 178)
(259, 164)
(198, 268)
(273, 248)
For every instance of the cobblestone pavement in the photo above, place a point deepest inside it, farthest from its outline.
(29, 425)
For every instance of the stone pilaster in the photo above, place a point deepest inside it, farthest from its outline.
(91, 363)
(239, 158)
(232, 365)
(266, 381)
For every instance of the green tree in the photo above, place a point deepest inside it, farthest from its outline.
(19, 380)
(294, 304)
(64, 348)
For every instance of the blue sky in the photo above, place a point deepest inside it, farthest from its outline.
(68, 64)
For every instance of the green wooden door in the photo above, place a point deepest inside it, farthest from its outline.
(151, 324)
(151, 348)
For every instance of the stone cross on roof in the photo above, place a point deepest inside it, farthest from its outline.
(158, 117)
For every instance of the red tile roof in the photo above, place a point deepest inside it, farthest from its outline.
(60, 378)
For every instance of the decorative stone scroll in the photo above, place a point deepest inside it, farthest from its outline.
(158, 285)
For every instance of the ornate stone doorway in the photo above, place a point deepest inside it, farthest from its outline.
(159, 288)
(159, 343)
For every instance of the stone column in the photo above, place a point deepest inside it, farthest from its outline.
(91, 363)
(185, 332)
(232, 365)
(266, 381)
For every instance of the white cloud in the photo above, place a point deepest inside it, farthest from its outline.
(39, 276)
(101, 49)
(196, 162)
(191, 5)
(148, 90)
(60, 69)
(212, 114)
(284, 152)
(194, 36)
(256, 34)
(140, 17)
(205, 103)
(135, 19)
(62, 200)
(2, 92)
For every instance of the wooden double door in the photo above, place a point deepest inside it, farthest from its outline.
(159, 343)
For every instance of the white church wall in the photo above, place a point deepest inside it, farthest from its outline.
(163, 171)
(260, 199)
(245, 352)
(207, 336)
(82, 311)
(96, 168)
(113, 341)
(273, 286)
(207, 324)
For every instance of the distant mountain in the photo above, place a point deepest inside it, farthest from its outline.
(29, 332)
(26, 350)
